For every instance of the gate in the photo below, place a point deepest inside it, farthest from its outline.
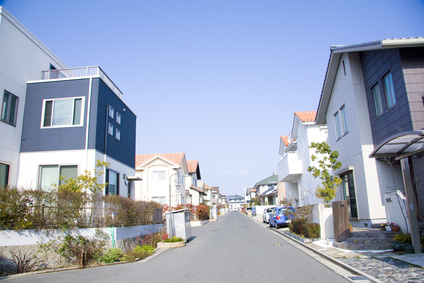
(341, 220)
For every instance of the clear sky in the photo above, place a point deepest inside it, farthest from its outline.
(216, 79)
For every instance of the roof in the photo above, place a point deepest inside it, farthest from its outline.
(193, 167)
(273, 179)
(285, 140)
(197, 190)
(268, 192)
(333, 63)
(215, 189)
(306, 116)
(174, 158)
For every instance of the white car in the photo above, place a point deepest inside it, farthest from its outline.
(265, 215)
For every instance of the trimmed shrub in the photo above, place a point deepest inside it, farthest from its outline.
(297, 226)
(173, 240)
(312, 230)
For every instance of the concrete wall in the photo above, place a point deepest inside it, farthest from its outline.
(323, 215)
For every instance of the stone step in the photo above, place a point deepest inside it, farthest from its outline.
(370, 241)
(360, 247)
(380, 234)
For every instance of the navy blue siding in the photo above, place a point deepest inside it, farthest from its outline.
(123, 150)
(375, 65)
(34, 138)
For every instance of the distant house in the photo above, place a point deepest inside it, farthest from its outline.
(266, 190)
(207, 198)
(194, 187)
(300, 185)
(373, 91)
(214, 196)
(235, 202)
(160, 172)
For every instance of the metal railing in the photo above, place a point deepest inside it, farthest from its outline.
(81, 72)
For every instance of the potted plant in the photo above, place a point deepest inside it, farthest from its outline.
(394, 227)
(350, 227)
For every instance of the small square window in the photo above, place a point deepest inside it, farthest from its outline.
(111, 112)
(118, 118)
(118, 134)
(110, 129)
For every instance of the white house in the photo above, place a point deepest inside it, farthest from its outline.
(163, 174)
(23, 58)
(349, 95)
(194, 187)
(300, 185)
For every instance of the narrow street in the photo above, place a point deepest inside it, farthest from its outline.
(233, 249)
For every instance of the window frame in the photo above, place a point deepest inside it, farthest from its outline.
(6, 108)
(378, 103)
(72, 118)
(110, 129)
(389, 90)
(117, 134)
(118, 118)
(107, 178)
(337, 125)
(156, 175)
(111, 111)
(58, 167)
(6, 175)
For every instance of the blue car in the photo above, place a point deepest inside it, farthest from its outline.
(281, 216)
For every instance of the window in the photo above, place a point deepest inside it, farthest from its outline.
(118, 134)
(389, 89)
(110, 129)
(338, 125)
(111, 112)
(112, 181)
(4, 175)
(160, 200)
(158, 175)
(9, 108)
(118, 118)
(63, 112)
(340, 121)
(375, 90)
(51, 175)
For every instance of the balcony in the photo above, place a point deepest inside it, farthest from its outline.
(290, 168)
(82, 72)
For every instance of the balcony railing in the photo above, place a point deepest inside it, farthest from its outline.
(290, 168)
(81, 72)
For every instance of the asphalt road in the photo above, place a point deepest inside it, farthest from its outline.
(233, 249)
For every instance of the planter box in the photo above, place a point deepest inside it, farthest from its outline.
(165, 246)
(300, 239)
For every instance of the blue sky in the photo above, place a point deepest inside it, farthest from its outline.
(216, 79)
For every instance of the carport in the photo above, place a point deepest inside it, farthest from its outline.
(401, 147)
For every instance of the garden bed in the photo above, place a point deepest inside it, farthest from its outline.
(171, 245)
(299, 238)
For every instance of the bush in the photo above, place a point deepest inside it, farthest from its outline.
(297, 226)
(404, 243)
(146, 248)
(173, 240)
(203, 212)
(112, 255)
(312, 230)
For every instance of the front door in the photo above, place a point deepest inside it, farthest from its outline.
(348, 190)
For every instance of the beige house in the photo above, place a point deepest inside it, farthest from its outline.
(164, 176)
(195, 189)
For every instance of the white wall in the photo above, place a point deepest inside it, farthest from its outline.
(23, 57)
(85, 160)
(355, 147)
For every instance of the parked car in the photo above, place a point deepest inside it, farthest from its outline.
(265, 215)
(281, 216)
(243, 209)
(249, 211)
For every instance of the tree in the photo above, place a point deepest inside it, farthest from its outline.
(328, 161)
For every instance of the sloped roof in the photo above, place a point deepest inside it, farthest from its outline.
(273, 179)
(193, 167)
(268, 192)
(306, 116)
(285, 140)
(174, 158)
(197, 190)
(333, 62)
